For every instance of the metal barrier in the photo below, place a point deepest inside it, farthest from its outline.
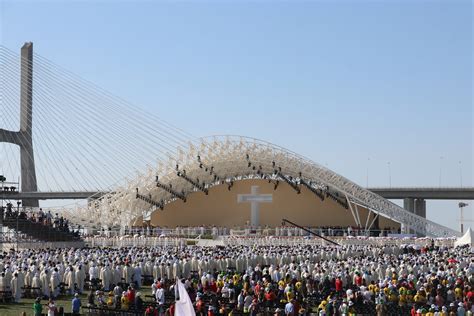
(137, 241)
(356, 241)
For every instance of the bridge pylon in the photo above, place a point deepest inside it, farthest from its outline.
(24, 137)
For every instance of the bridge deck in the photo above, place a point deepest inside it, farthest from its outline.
(429, 193)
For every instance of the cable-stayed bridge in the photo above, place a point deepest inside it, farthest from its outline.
(76, 139)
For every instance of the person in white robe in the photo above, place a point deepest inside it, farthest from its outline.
(15, 286)
(55, 283)
(117, 275)
(169, 270)
(105, 276)
(45, 283)
(127, 273)
(28, 277)
(69, 279)
(93, 272)
(79, 278)
(156, 271)
(8, 275)
(36, 284)
(137, 276)
(21, 279)
(185, 268)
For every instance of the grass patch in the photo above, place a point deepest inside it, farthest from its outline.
(26, 305)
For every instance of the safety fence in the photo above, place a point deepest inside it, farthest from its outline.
(360, 241)
(142, 241)
(135, 241)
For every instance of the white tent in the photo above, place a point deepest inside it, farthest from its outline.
(467, 239)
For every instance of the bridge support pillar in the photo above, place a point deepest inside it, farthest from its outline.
(409, 205)
(28, 173)
(24, 137)
(415, 206)
(420, 207)
(420, 210)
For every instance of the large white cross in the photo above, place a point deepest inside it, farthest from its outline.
(254, 199)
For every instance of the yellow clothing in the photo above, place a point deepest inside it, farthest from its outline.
(124, 302)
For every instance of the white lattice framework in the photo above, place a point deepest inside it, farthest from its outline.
(230, 156)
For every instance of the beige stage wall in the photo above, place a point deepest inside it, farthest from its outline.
(220, 208)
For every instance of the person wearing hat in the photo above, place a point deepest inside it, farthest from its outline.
(76, 305)
(461, 310)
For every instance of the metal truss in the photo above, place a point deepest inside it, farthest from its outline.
(236, 158)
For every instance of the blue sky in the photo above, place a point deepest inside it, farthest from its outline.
(337, 81)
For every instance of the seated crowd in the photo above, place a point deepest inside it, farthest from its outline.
(251, 280)
(45, 218)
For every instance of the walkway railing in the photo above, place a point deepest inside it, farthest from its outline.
(212, 232)
(344, 241)
(140, 241)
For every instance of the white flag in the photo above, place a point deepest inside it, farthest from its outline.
(184, 305)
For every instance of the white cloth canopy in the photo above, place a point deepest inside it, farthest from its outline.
(466, 239)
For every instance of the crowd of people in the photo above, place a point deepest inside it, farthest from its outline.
(251, 280)
(55, 221)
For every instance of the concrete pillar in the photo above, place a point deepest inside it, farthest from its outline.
(409, 205)
(420, 207)
(420, 210)
(28, 172)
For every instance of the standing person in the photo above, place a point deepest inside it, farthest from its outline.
(91, 299)
(76, 305)
(36, 284)
(37, 307)
(290, 308)
(69, 279)
(79, 277)
(52, 310)
(137, 276)
(93, 275)
(15, 287)
(105, 276)
(138, 302)
(55, 283)
(45, 281)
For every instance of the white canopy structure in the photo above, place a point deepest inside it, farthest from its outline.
(221, 160)
(466, 239)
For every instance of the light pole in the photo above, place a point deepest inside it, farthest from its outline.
(461, 206)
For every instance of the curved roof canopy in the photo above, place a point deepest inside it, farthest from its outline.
(224, 159)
